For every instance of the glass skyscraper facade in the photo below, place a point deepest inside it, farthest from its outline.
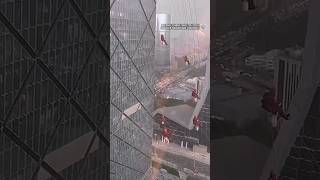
(303, 160)
(132, 41)
(54, 88)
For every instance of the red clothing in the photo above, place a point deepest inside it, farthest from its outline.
(166, 132)
(163, 40)
(196, 121)
(270, 104)
(195, 95)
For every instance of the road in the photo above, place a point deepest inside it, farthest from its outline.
(173, 78)
(183, 162)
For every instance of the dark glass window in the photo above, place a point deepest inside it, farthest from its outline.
(25, 14)
(59, 33)
(7, 160)
(17, 14)
(44, 91)
(46, 11)
(10, 11)
(29, 122)
(16, 79)
(39, 11)
(9, 77)
(8, 52)
(65, 32)
(30, 98)
(2, 77)
(39, 36)
(33, 13)
(2, 101)
(37, 95)
(32, 37)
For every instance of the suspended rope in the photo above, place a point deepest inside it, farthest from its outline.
(193, 21)
(196, 16)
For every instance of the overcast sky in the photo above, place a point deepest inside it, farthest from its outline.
(189, 12)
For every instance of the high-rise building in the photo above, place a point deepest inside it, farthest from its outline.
(132, 87)
(54, 81)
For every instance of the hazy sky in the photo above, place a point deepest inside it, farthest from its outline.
(189, 12)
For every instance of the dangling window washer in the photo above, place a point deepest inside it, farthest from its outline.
(248, 5)
(163, 120)
(270, 104)
(195, 94)
(163, 40)
(196, 123)
(166, 134)
(272, 176)
(186, 60)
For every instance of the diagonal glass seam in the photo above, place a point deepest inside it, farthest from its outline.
(153, 12)
(112, 4)
(142, 67)
(50, 140)
(116, 130)
(39, 51)
(17, 35)
(143, 33)
(13, 137)
(75, 104)
(137, 149)
(149, 54)
(151, 49)
(123, 165)
(115, 94)
(140, 39)
(145, 15)
(88, 57)
(110, 65)
(132, 61)
(105, 112)
(52, 136)
(85, 22)
(30, 50)
(6, 120)
(150, 114)
(105, 20)
(137, 125)
(87, 25)
(86, 156)
(83, 68)
(114, 51)
(135, 84)
(80, 14)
